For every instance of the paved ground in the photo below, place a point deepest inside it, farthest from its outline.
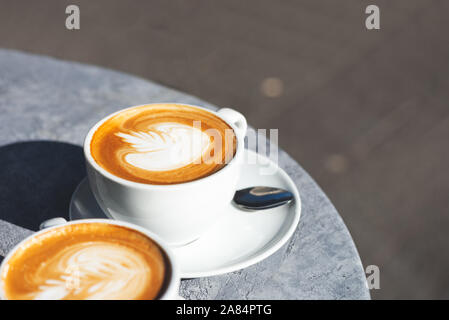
(365, 112)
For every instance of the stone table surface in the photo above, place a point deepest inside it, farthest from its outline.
(46, 109)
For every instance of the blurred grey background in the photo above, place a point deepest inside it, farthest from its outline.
(365, 112)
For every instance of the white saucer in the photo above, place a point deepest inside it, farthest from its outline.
(239, 239)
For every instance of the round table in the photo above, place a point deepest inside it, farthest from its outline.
(47, 107)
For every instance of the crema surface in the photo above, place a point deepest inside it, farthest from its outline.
(86, 261)
(163, 144)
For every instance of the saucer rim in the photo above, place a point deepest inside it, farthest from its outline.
(262, 254)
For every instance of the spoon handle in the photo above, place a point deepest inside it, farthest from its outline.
(261, 197)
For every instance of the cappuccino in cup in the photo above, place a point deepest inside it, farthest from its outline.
(171, 168)
(163, 144)
(77, 261)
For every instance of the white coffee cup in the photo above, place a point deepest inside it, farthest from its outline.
(170, 288)
(178, 213)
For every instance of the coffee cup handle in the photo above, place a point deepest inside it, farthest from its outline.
(236, 118)
(52, 222)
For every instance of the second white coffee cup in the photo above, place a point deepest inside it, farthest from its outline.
(178, 213)
(172, 278)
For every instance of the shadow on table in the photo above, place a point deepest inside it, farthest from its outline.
(37, 179)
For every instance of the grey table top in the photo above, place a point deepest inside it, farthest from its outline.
(47, 107)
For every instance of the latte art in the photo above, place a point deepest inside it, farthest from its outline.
(91, 270)
(86, 261)
(166, 146)
(163, 144)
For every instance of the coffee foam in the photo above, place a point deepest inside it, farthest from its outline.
(86, 261)
(166, 146)
(163, 144)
